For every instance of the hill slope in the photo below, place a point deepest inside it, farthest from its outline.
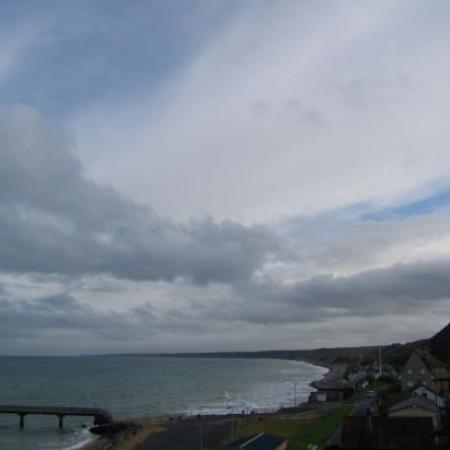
(439, 344)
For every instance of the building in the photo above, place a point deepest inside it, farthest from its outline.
(393, 433)
(415, 406)
(423, 369)
(261, 441)
(358, 380)
(329, 391)
(429, 394)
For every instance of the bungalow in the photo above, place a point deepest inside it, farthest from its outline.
(417, 407)
(261, 441)
(423, 369)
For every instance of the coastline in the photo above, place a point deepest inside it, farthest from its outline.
(141, 429)
(136, 431)
(334, 375)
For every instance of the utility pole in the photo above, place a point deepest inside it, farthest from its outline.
(435, 390)
(295, 394)
(380, 369)
(231, 421)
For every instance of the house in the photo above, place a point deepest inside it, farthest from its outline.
(261, 441)
(358, 379)
(329, 391)
(390, 373)
(432, 396)
(415, 406)
(393, 433)
(423, 369)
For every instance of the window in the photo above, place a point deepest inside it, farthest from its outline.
(422, 371)
(409, 371)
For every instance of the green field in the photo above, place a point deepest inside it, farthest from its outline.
(288, 428)
(301, 432)
(320, 431)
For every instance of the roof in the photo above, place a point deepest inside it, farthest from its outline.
(377, 432)
(427, 388)
(358, 376)
(429, 360)
(261, 441)
(331, 385)
(415, 402)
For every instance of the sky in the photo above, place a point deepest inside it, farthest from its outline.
(181, 176)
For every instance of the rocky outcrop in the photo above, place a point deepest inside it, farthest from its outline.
(114, 429)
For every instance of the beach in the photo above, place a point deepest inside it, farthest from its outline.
(143, 388)
(215, 431)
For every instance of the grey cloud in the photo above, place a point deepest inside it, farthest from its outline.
(378, 291)
(303, 114)
(63, 318)
(363, 92)
(399, 289)
(385, 296)
(29, 318)
(54, 220)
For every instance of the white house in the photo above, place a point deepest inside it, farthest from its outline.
(429, 394)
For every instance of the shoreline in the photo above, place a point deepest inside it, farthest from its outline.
(145, 427)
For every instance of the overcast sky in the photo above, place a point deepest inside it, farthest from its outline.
(205, 175)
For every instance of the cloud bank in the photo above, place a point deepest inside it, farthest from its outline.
(223, 178)
(55, 220)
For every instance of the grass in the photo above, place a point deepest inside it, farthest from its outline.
(288, 428)
(315, 431)
(324, 427)
(320, 432)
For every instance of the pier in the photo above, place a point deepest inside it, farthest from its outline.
(101, 416)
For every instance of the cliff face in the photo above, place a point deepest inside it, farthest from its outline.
(439, 344)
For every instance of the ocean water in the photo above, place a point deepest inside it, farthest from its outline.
(130, 386)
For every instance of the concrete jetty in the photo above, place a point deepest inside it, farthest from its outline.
(101, 416)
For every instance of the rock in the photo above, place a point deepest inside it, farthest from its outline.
(114, 428)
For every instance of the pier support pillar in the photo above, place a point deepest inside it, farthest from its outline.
(60, 421)
(22, 420)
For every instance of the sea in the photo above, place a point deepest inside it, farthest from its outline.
(136, 386)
